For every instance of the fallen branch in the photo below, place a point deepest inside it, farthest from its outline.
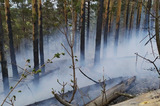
(153, 62)
(88, 77)
(62, 101)
(150, 39)
(125, 94)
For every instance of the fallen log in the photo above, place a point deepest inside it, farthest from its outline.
(110, 94)
(91, 90)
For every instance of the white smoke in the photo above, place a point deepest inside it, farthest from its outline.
(124, 64)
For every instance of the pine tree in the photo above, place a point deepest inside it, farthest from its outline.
(41, 35)
(99, 32)
(11, 44)
(3, 59)
(82, 46)
(35, 38)
(157, 26)
(117, 25)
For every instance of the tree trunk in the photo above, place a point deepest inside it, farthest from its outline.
(147, 15)
(106, 28)
(126, 18)
(23, 19)
(125, 13)
(99, 32)
(131, 20)
(41, 36)
(35, 39)
(11, 44)
(157, 26)
(82, 46)
(110, 17)
(117, 25)
(88, 23)
(3, 59)
(74, 21)
(139, 9)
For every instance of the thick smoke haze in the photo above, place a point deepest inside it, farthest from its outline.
(125, 63)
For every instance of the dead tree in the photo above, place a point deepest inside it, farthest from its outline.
(111, 94)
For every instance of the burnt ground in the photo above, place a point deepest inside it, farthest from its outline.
(140, 86)
(88, 93)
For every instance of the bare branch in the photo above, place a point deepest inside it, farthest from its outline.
(149, 11)
(153, 62)
(149, 39)
(66, 49)
(88, 76)
(61, 100)
(12, 90)
(20, 80)
(143, 39)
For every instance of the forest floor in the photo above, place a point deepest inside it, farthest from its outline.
(141, 85)
(151, 98)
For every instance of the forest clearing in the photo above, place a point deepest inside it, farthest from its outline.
(79, 52)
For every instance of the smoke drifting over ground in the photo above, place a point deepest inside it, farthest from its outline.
(124, 64)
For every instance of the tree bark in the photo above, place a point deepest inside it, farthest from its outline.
(3, 59)
(125, 13)
(157, 26)
(131, 20)
(41, 36)
(82, 46)
(111, 93)
(35, 39)
(110, 16)
(126, 18)
(99, 32)
(147, 15)
(11, 43)
(139, 10)
(74, 23)
(106, 27)
(88, 23)
(117, 25)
